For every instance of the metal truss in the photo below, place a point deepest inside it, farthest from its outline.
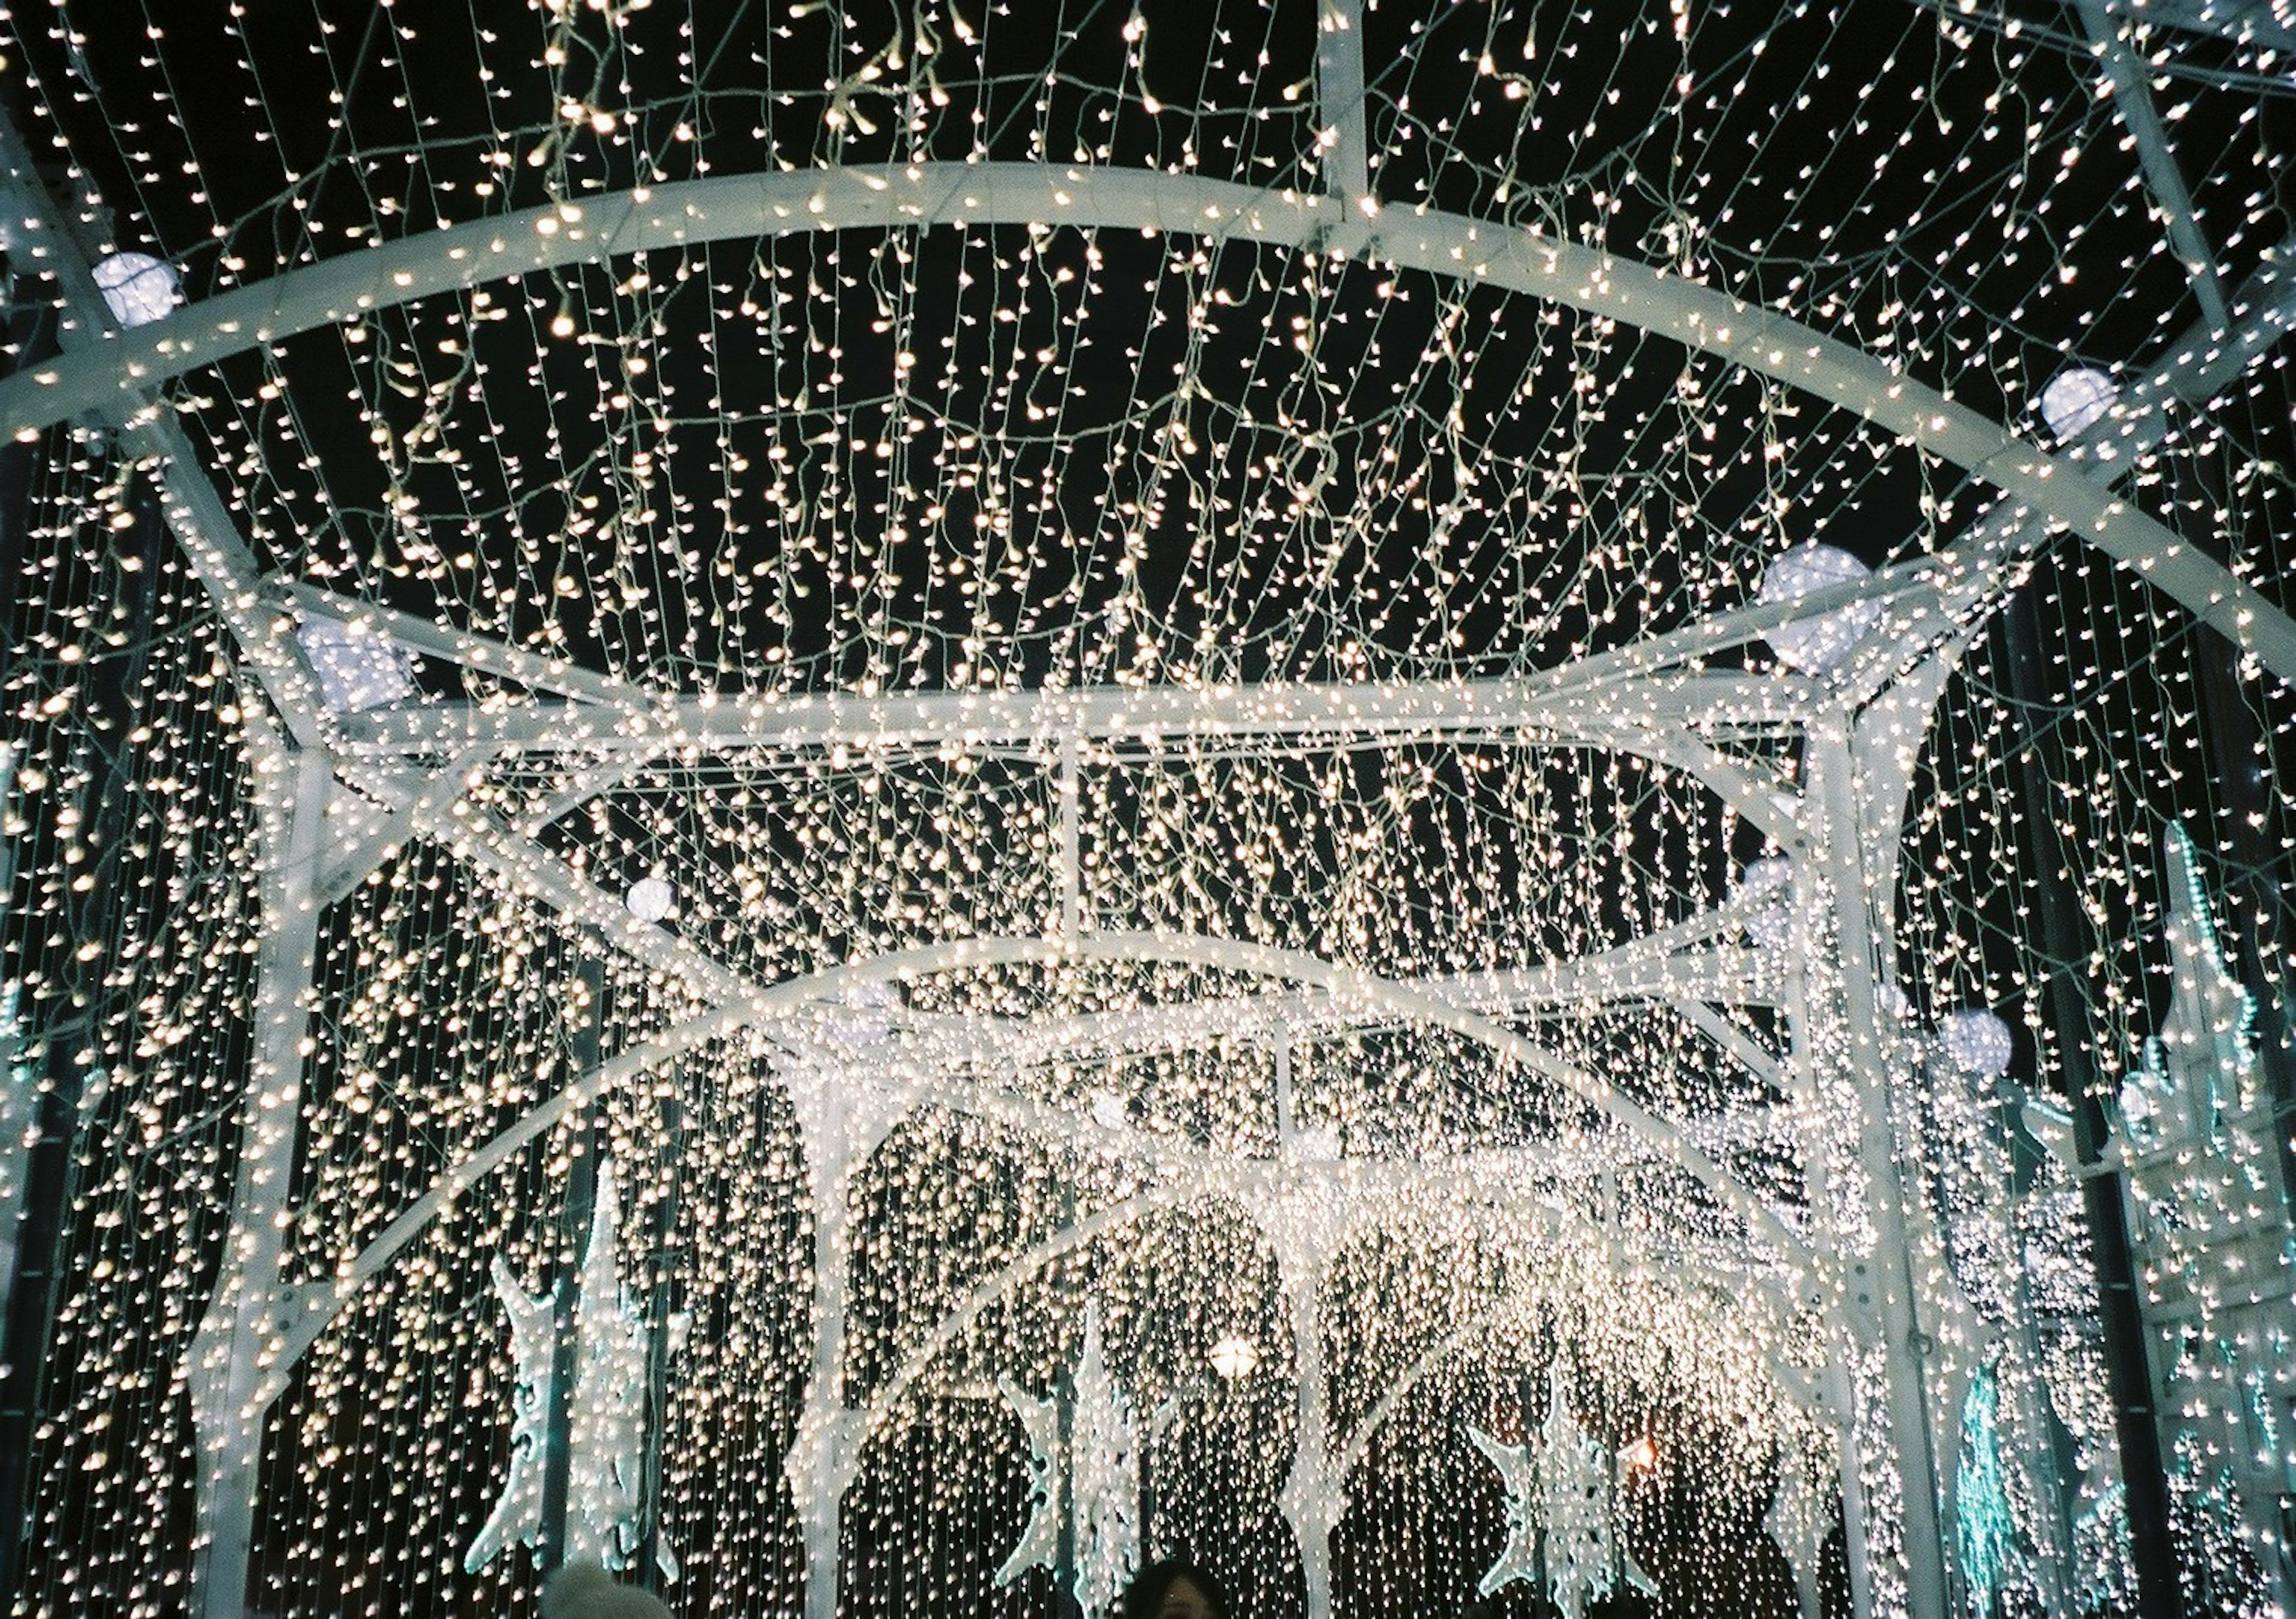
(1665, 716)
(414, 767)
(2133, 97)
(121, 375)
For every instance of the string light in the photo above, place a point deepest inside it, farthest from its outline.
(1026, 802)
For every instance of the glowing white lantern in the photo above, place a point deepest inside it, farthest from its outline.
(1814, 645)
(358, 669)
(2076, 401)
(137, 288)
(650, 899)
(1976, 1043)
(1235, 1357)
(1108, 1110)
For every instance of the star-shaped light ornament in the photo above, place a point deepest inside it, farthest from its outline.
(1093, 1478)
(1564, 1528)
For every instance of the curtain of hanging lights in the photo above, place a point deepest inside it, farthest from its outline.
(1338, 1249)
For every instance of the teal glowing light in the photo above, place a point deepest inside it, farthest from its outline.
(1984, 1530)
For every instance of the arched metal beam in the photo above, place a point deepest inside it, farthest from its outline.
(960, 1321)
(307, 1311)
(689, 213)
(1346, 983)
(1655, 717)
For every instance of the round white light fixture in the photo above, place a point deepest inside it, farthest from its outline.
(1814, 645)
(1108, 1110)
(2076, 400)
(137, 288)
(1976, 1043)
(1235, 1357)
(650, 899)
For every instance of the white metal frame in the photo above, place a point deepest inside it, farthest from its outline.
(257, 1327)
(118, 375)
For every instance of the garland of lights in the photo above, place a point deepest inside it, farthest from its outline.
(1681, 1173)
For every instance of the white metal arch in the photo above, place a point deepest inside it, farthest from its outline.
(613, 716)
(960, 1319)
(1344, 983)
(349, 286)
(1431, 1360)
(309, 1309)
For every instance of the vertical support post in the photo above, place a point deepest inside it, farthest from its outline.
(240, 1332)
(2120, 1311)
(1287, 1121)
(574, 1224)
(1892, 1288)
(836, 1129)
(1341, 136)
(1312, 1500)
(659, 1306)
(1853, 1492)
(1816, 1169)
(1071, 834)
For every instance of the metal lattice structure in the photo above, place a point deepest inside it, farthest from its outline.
(872, 805)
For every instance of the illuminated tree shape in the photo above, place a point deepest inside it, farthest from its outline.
(1562, 1512)
(1985, 1530)
(1094, 1477)
(2211, 1235)
(606, 1503)
(2201, 1066)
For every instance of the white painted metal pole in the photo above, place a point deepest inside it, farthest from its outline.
(1071, 852)
(244, 1326)
(1885, 1276)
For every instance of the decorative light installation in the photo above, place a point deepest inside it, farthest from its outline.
(137, 288)
(650, 899)
(2076, 400)
(1816, 645)
(1235, 1357)
(1766, 888)
(1006, 614)
(1084, 1480)
(357, 669)
(1978, 1043)
(603, 1411)
(1564, 1532)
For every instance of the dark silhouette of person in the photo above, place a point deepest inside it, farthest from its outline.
(1173, 1589)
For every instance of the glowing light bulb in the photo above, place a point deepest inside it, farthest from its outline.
(650, 899)
(137, 288)
(1235, 1357)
